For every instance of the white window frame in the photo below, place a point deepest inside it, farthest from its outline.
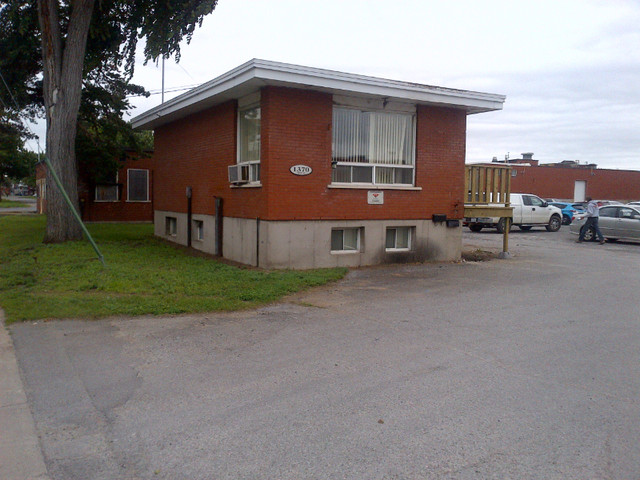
(358, 247)
(374, 165)
(395, 248)
(129, 184)
(198, 226)
(171, 226)
(253, 165)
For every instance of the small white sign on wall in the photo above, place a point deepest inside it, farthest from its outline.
(301, 170)
(375, 197)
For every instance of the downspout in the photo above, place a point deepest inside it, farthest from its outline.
(218, 211)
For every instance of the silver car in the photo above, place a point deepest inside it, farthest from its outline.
(616, 221)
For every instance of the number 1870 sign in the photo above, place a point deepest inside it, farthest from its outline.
(301, 170)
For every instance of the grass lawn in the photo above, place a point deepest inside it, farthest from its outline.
(4, 203)
(143, 275)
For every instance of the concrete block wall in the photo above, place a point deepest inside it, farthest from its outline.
(208, 242)
(307, 244)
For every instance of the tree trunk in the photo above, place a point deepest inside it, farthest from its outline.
(62, 88)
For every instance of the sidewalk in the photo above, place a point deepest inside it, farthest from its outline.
(20, 454)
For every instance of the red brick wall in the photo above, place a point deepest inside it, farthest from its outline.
(299, 132)
(296, 129)
(441, 138)
(196, 151)
(122, 210)
(558, 182)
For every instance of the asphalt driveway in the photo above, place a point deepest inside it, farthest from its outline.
(519, 368)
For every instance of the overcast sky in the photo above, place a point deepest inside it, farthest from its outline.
(570, 68)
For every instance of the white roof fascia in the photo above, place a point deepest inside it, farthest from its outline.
(263, 72)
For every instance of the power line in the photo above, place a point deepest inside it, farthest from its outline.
(173, 89)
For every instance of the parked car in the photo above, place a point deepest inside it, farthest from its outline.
(528, 211)
(634, 204)
(568, 211)
(581, 207)
(616, 221)
(602, 203)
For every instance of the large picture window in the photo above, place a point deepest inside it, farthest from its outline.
(249, 141)
(138, 185)
(372, 147)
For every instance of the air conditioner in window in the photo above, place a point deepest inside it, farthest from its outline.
(238, 174)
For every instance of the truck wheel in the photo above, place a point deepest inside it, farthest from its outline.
(475, 228)
(554, 224)
(525, 228)
(502, 225)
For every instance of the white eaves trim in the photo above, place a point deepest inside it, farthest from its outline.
(256, 73)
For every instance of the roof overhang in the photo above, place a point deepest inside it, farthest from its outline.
(253, 75)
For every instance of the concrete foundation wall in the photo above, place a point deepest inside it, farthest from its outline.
(307, 244)
(208, 242)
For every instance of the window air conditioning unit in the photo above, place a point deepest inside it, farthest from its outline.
(238, 174)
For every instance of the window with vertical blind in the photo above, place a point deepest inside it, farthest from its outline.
(371, 147)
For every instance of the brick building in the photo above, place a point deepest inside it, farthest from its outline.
(572, 180)
(128, 197)
(284, 166)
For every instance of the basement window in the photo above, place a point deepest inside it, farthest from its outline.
(399, 238)
(198, 228)
(345, 240)
(171, 226)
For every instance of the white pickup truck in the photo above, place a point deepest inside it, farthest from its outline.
(528, 211)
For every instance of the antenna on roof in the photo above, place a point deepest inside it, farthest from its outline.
(162, 98)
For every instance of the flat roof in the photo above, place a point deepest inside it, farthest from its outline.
(251, 76)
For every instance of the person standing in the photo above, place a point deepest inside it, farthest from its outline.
(593, 215)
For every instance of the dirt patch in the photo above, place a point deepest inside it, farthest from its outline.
(478, 255)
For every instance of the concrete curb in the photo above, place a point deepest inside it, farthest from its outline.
(20, 453)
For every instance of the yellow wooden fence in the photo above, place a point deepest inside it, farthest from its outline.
(487, 188)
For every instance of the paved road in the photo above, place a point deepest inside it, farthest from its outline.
(29, 205)
(519, 368)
